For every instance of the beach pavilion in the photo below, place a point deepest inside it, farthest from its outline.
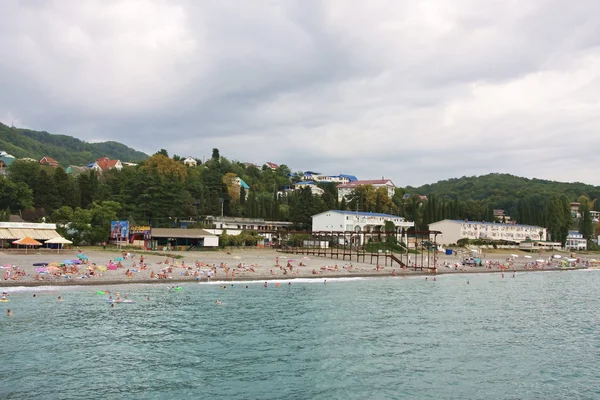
(11, 231)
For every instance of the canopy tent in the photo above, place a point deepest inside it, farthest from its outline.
(60, 241)
(27, 242)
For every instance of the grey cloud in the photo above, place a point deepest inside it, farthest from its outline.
(413, 91)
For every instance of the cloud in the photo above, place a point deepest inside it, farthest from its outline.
(413, 91)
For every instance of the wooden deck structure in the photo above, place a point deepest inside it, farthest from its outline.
(380, 248)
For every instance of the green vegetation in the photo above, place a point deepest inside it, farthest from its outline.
(162, 191)
(25, 143)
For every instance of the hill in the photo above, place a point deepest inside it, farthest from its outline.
(66, 150)
(492, 187)
(504, 191)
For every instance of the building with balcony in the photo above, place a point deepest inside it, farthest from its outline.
(453, 231)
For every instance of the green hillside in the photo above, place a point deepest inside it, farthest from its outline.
(66, 150)
(495, 188)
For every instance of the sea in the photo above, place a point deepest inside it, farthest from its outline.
(474, 336)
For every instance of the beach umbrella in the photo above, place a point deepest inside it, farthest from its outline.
(556, 256)
(514, 255)
(27, 242)
(60, 241)
(540, 260)
(119, 259)
(76, 261)
(527, 256)
(82, 256)
(68, 262)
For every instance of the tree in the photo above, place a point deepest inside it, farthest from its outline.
(15, 195)
(215, 154)
(586, 225)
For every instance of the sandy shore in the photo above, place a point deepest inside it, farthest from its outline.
(261, 261)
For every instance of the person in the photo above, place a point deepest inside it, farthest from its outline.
(148, 298)
(325, 282)
(59, 298)
(467, 282)
(112, 305)
(34, 295)
(9, 313)
(219, 302)
(266, 284)
(104, 245)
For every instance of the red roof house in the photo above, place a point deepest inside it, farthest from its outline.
(49, 161)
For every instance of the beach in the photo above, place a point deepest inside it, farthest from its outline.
(226, 265)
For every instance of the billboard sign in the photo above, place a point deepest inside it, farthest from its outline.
(145, 230)
(119, 230)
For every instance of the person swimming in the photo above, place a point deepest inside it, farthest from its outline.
(218, 302)
(9, 313)
(59, 298)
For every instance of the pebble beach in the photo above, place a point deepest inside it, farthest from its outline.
(231, 265)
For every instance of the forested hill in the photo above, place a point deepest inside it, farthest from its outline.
(498, 188)
(66, 150)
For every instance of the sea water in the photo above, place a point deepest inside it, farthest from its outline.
(535, 336)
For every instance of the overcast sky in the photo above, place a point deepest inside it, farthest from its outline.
(415, 91)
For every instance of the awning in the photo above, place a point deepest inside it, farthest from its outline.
(38, 234)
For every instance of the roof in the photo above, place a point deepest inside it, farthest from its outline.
(49, 160)
(367, 182)
(312, 173)
(271, 165)
(243, 184)
(360, 213)
(484, 223)
(106, 164)
(16, 233)
(305, 183)
(7, 160)
(180, 233)
(351, 178)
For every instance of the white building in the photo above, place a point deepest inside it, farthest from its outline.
(342, 221)
(190, 162)
(235, 225)
(314, 189)
(346, 189)
(453, 231)
(575, 241)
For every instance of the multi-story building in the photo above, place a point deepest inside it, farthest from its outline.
(575, 241)
(452, 231)
(345, 221)
(346, 189)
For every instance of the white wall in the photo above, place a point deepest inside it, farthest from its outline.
(211, 241)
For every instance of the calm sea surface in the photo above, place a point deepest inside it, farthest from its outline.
(536, 336)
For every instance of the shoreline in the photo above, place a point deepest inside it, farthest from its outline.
(114, 282)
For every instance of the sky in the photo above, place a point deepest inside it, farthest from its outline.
(413, 91)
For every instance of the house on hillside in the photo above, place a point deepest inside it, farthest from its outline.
(240, 182)
(346, 189)
(5, 161)
(271, 165)
(105, 164)
(190, 162)
(314, 189)
(49, 161)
